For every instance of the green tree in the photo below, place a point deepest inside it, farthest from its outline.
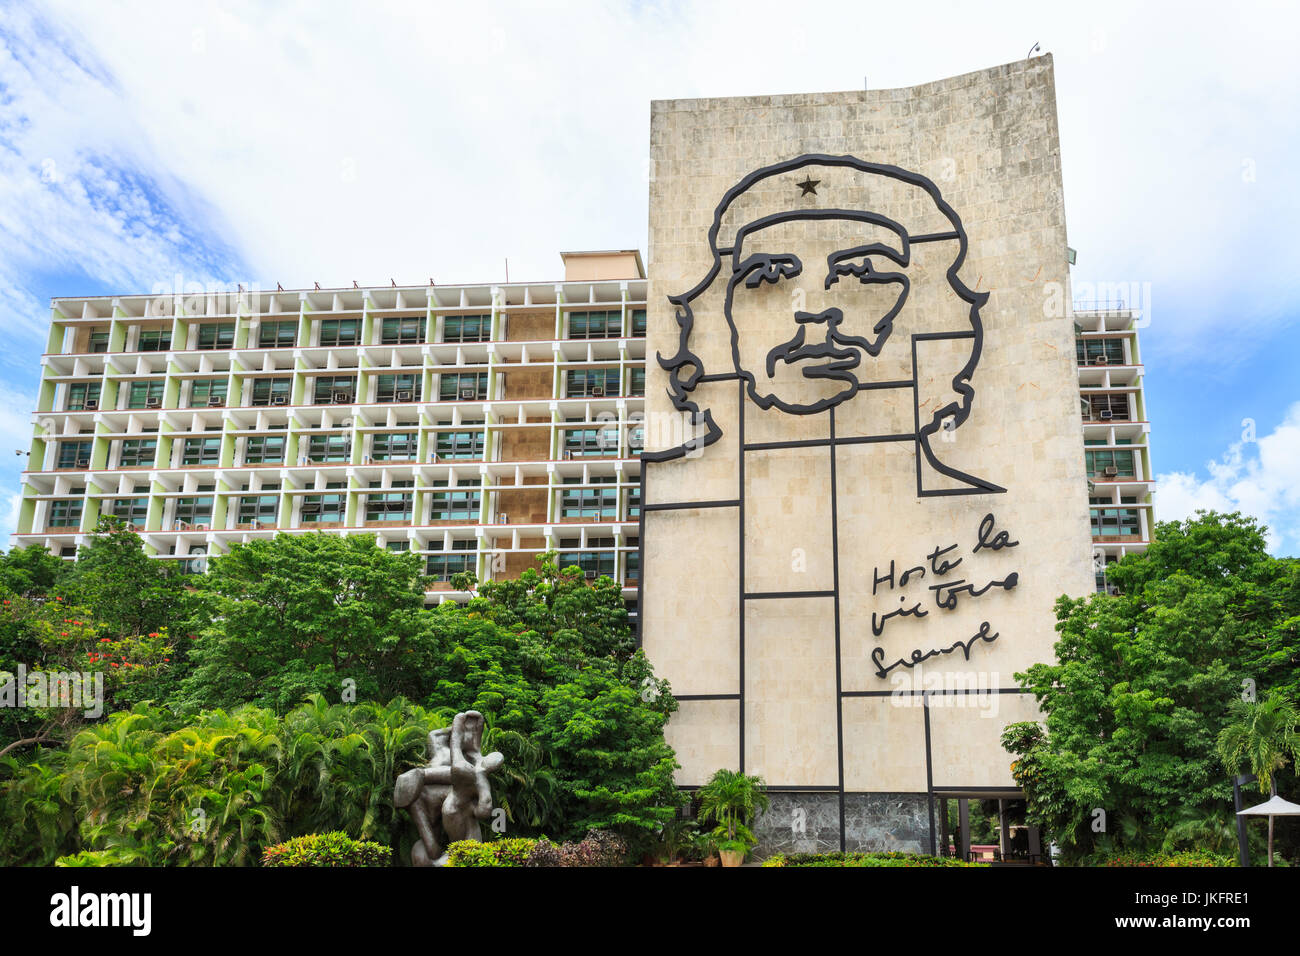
(1144, 681)
(1263, 737)
(129, 592)
(31, 572)
(308, 614)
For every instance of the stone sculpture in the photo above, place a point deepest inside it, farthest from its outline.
(450, 794)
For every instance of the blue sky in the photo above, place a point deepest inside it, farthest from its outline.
(300, 142)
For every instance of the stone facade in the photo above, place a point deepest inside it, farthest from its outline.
(892, 426)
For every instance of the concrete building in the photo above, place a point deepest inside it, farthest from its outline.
(475, 425)
(1116, 434)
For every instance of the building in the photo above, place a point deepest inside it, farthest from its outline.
(474, 425)
(1116, 434)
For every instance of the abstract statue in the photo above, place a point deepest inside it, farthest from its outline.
(451, 792)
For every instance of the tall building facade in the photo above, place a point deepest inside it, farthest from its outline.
(474, 425)
(1116, 435)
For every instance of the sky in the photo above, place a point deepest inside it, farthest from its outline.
(150, 145)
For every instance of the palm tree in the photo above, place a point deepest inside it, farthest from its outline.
(731, 799)
(1263, 736)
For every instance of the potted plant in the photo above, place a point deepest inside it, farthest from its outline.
(706, 848)
(731, 800)
(676, 837)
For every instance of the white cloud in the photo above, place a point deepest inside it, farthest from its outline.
(1258, 478)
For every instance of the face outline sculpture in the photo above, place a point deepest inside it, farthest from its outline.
(833, 340)
(827, 343)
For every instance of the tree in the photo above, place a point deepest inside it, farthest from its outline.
(308, 614)
(31, 572)
(129, 592)
(1144, 681)
(1262, 736)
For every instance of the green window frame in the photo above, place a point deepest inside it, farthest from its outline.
(1115, 522)
(81, 392)
(462, 503)
(266, 389)
(264, 449)
(66, 513)
(131, 511)
(605, 324)
(466, 328)
(137, 452)
(332, 447)
(601, 442)
(395, 446)
(193, 510)
(593, 503)
(140, 393)
(154, 340)
(451, 383)
(203, 389)
(263, 508)
(216, 335)
(1121, 461)
(460, 446)
(636, 383)
(325, 386)
(461, 559)
(99, 342)
(390, 385)
(1087, 351)
(203, 450)
(402, 330)
(638, 323)
(579, 382)
(390, 506)
(329, 507)
(74, 454)
(278, 335)
(339, 332)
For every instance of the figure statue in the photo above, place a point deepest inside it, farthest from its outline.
(451, 792)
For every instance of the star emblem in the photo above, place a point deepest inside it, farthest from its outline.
(809, 186)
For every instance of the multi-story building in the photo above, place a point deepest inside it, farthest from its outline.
(1116, 435)
(475, 425)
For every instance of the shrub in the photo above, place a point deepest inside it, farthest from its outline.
(1161, 858)
(597, 848)
(887, 859)
(326, 849)
(513, 852)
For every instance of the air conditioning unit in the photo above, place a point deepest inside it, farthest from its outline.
(83, 462)
(597, 391)
(153, 402)
(1105, 414)
(90, 404)
(1100, 360)
(589, 575)
(215, 400)
(200, 527)
(468, 394)
(279, 399)
(181, 525)
(1110, 471)
(341, 396)
(406, 395)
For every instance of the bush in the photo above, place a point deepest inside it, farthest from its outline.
(514, 852)
(891, 858)
(1161, 858)
(597, 848)
(327, 849)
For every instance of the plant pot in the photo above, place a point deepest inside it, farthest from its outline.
(732, 857)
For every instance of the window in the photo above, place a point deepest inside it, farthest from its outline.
(79, 393)
(632, 562)
(398, 546)
(1099, 461)
(74, 454)
(1115, 523)
(460, 445)
(407, 330)
(99, 341)
(277, 335)
(638, 323)
(336, 332)
(137, 452)
(1099, 351)
(132, 511)
(146, 394)
(595, 325)
(65, 513)
(636, 383)
(264, 450)
(634, 502)
(456, 386)
(261, 508)
(201, 451)
(154, 340)
(326, 387)
(217, 335)
(591, 442)
(330, 447)
(459, 560)
(320, 508)
(399, 388)
(466, 328)
(1106, 407)
(395, 446)
(208, 391)
(461, 504)
(271, 391)
(590, 560)
(389, 506)
(599, 504)
(192, 511)
(587, 381)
